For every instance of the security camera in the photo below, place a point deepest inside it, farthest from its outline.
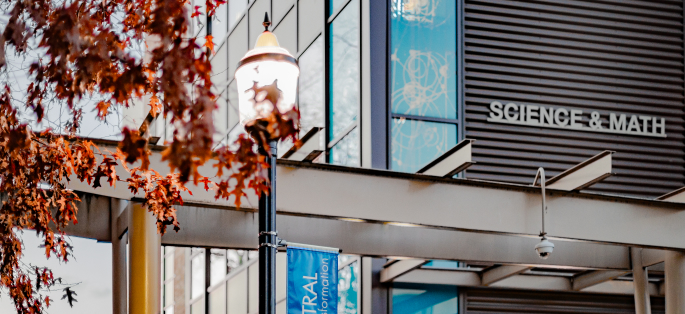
(544, 248)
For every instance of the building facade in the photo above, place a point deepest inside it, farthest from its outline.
(398, 83)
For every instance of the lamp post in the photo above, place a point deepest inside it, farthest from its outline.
(266, 67)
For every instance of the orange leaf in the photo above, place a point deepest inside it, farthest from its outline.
(209, 43)
(155, 106)
(103, 109)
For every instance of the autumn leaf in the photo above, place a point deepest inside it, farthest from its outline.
(196, 12)
(102, 108)
(207, 183)
(88, 58)
(209, 43)
(134, 148)
(155, 106)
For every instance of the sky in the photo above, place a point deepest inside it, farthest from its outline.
(90, 268)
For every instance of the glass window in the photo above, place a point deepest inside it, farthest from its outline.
(342, 258)
(218, 266)
(424, 299)
(236, 8)
(437, 263)
(311, 87)
(220, 24)
(217, 300)
(168, 293)
(253, 289)
(307, 27)
(423, 47)
(344, 71)
(281, 307)
(197, 276)
(424, 58)
(415, 143)
(237, 294)
(348, 289)
(236, 258)
(233, 104)
(335, 5)
(168, 263)
(198, 307)
(346, 151)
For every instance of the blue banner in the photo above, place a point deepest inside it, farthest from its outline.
(312, 280)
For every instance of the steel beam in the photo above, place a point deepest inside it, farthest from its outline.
(584, 174)
(675, 283)
(399, 268)
(594, 278)
(453, 161)
(214, 227)
(310, 149)
(677, 196)
(500, 273)
(466, 278)
(119, 267)
(640, 282)
(482, 206)
(230, 228)
(650, 257)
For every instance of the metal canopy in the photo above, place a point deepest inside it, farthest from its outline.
(328, 191)
(229, 228)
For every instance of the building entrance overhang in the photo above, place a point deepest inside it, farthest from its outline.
(401, 199)
(418, 217)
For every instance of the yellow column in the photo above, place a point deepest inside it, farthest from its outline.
(144, 264)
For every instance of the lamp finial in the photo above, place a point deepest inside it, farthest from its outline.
(266, 22)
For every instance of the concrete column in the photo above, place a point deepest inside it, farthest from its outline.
(145, 260)
(367, 278)
(642, 302)
(675, 282)
(119, 293)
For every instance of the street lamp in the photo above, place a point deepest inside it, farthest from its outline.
(267, 74)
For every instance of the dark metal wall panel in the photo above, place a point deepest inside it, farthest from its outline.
(482, 301)
(594, 55)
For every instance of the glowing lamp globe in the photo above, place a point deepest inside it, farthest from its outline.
(262, 69)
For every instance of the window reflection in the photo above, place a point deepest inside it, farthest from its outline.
(197, 275)
(218, 266)
(311, 87)
(424, 299)
(416, 143)
(220, 24)
(236, 258)
(423, 81)
(344, 70)
(236, 8)
(346, 151)
(334, 5)
(424, 58)
(348, 289)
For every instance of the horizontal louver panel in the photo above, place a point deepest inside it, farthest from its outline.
(605, 56)
(482, 301)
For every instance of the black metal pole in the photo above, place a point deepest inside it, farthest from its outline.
(267, 239)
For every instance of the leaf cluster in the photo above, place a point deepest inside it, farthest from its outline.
(88, 50)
